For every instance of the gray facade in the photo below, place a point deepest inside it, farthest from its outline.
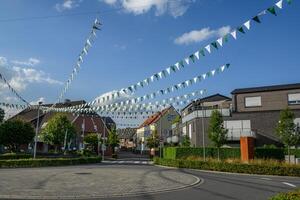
(251, 112)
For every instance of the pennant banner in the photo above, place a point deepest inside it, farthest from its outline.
(13, 106)
(88, 44)
(198, 54)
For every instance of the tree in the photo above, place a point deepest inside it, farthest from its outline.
(113, 139)
(186, 141)
(287, 130)
(56, 129)
(2, 115)
(92, 141)
(153, 140)
(176, 120)
(14, 133)
(216, 131)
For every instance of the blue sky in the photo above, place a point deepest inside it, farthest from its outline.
(37, 56)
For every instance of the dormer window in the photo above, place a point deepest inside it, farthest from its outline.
(294, 99)
(252, 101)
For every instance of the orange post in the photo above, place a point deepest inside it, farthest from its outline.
(247, 148)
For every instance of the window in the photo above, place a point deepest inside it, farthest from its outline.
(294, 98)
(253, 101)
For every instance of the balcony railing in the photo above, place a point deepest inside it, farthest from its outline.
(235, 134)
(205, 113)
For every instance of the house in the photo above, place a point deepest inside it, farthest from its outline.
(252, 112)
(160, 122)
(126, 137)
(84, 124)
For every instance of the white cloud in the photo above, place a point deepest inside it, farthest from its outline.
(137, 7)
(19, 77)
(3, 61)
(67, 5)
(30, 62)
(195, 36)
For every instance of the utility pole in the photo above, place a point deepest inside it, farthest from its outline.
(36, 130)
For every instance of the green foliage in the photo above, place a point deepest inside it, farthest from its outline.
(286, 128)
(153, 140)
(12, 156)
(177, 119)
(14, 133)
(180, 152)
(91, 140)
(266, 169)
(2, 115)
(269, 153)
(216, 131)
(86, 153)
(293, 195)
(186, 142)
(55, 130)
(113, 139)
(44, 162)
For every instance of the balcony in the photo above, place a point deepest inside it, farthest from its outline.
(226, 112)
(235, 134)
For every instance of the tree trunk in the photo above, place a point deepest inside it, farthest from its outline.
(55, 148)
(289, 154)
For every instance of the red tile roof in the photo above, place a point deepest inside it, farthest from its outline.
(154, 118)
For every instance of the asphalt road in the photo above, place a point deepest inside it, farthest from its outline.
(143, 180)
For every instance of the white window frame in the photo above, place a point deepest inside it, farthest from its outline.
(295, 100)
(253, 105)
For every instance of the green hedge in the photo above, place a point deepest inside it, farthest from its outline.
(293, 195)
(272, 169)
(260, 153)
(11, 156)
(181, 152)
(48, 162)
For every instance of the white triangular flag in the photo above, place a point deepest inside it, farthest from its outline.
(177, 65)
(222, 68)
(197, 55)
(85, 51)
(247, 24)
(187, 60)
(152, 78)
(195, 79)
(187, 83)
(220, 41)
(88, 42)
(262, 13)
(208, 48)
(279, 4)
(233, 33)
(169, 70)
(213, 72)
(204, 76)
(160, 74)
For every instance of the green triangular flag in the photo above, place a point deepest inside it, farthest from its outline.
(192, 57)
(272, 10)
(289, 2)
(214, 44)
(173, 68)
(181, 63)
(156, 76)
(240, 29)
(225, 38)
(227, 65)
(202, 52)
(256, 19)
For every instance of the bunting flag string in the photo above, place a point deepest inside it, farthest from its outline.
(217, 44)
(13, 106)
(13, 90)
(153, 95)
(88, 44)
(174, 101)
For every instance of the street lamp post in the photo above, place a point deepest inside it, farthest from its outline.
(36, 130)
(203, 131)
(160, 136)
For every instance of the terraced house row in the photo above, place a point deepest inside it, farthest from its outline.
(250, 112)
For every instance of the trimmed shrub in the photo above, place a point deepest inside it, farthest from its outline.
(273, 169)
(12, 156)
(293, 195)
(260, 153)
(48, 162)
(182, 152)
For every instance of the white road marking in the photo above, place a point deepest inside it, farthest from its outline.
(144, 162)
(289, 184)
(121, 161)
(136, 162)
(268, 179)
